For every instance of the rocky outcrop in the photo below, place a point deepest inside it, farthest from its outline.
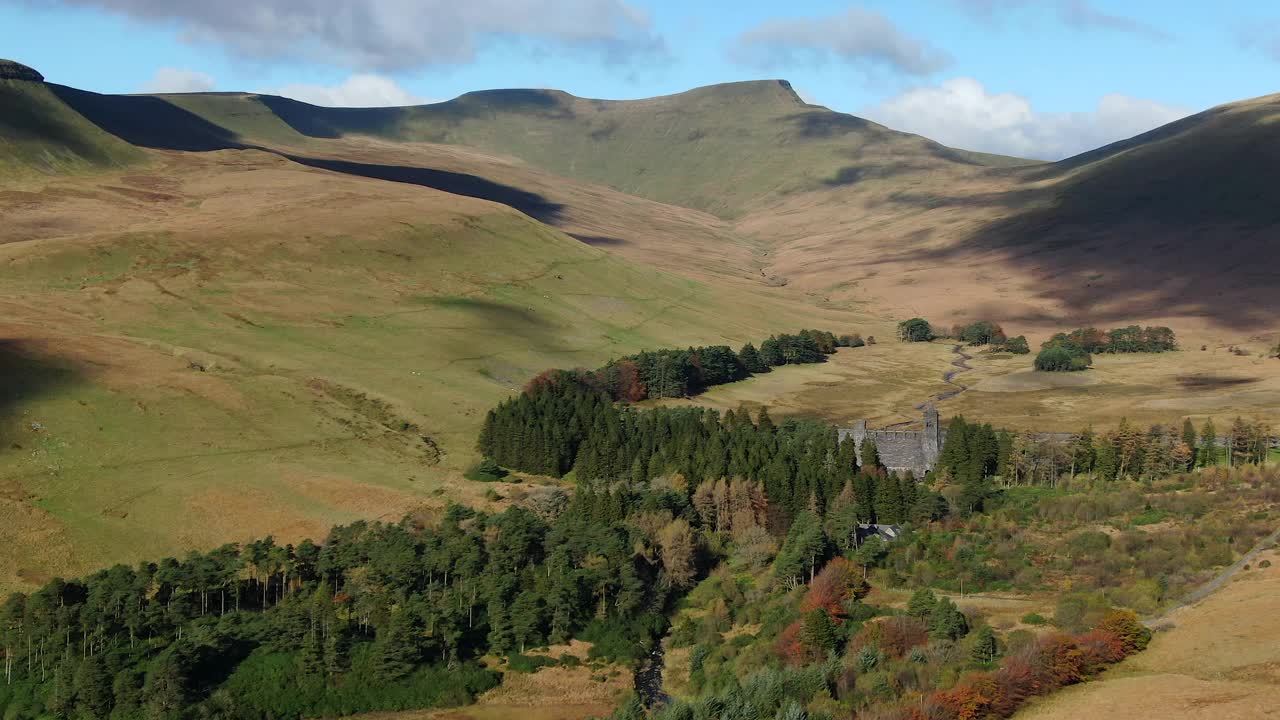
(10, 70)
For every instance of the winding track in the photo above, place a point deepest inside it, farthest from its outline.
(962, 366)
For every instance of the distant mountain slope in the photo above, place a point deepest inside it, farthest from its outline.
(1178, 225)
(674, 237)
(39, 134)
(1218, 165)
(721, 148)
(1170, 225)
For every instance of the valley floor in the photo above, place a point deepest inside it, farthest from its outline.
(885, 382)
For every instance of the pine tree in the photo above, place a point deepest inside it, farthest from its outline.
(751, 359)
(312, 656)
(1106, 463)
(985, 649)
(1240, 446)
(870, 455)
(922, 603)
(771, 352)
(395, 653)
(804, 548)
(1189, 438)
(818, 633)
(62, 698)
(888, 501)
(864, 495)
(1208, 453)
(93, 689)
(946, 622)
(335, 649)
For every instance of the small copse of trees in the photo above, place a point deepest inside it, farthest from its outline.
(916, 330)
(1063, 358)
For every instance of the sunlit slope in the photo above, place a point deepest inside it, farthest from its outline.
(232, 344)
(689, 241)
(720, 148)
(40, 135)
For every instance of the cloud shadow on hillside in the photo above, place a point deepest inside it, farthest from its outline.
(156, 123)
(331, 123)
(531, 204)
(25, 374)
(1113, 259)
(598, 240)
(149, 122)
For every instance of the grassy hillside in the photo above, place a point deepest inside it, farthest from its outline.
(233, 344)
(720, 148)
(39, 135)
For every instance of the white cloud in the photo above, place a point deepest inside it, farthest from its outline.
(962, 113)
(1076, 14)
(397, 34)
(179, 80)
(361, 90)
(858, 36)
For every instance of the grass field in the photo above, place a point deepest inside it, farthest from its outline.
(1220, 660)
(884, 383)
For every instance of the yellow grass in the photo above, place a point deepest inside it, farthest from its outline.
(1220, 661)
(882, 382)
(885, 382)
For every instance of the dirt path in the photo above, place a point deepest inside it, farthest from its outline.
(962, 366)
(1217, 582)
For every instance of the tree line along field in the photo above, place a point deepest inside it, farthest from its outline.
(884, 382)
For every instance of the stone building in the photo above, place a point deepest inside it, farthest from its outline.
(901, 450)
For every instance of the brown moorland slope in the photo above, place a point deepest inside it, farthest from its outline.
(1172, 226)
(1176, 226)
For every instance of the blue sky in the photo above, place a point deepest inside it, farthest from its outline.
(1043, 78)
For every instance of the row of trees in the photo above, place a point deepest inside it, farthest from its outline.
(1131, 339)
(684, 373)
(1130, 452)
(982, 332)
(975, 454)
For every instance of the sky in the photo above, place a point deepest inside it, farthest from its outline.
(1033, 78)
